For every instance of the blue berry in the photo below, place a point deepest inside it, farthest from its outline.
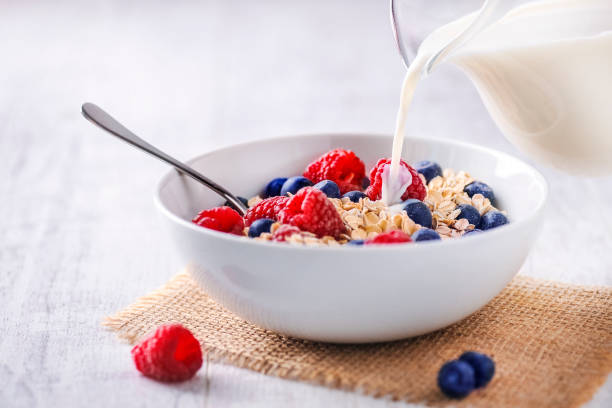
(354, 196)
(478, 187)
(260, 226)
(425, 234)
(483, 367)
(273, 188)
(330, 188)
(365, 183)
(428, 169)
(418, 212)
(492, 219)
(470, 213)
(475, 231)
(294, 184)
(356, 242)
(456, 379)
(242, 199)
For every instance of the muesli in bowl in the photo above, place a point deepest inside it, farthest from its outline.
(334, 203)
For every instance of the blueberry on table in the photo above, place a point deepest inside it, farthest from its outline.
(478, 187)
(330, 188)
(418, 212)
(456, 379)
(354, 196)
(356, 242)
(294, 184)
(260, 226)
(483, 367)
(470, 213)
(425, 234)
(475, 231)
(492, 219)
(428, 169)
(232, 206)
(273, 188)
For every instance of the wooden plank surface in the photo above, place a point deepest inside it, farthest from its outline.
(79, 236)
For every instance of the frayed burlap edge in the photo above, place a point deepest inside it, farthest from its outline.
(128, 325)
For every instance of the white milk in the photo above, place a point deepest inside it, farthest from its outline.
(544, 72)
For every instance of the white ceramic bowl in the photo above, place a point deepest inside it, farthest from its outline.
(351, 294)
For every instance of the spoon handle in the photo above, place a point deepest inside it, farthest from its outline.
(98, 116)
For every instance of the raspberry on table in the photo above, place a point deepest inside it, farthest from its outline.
(392, 237)
(285, 231)
(415, 190)
(311, 211)
(224, 219)
(170, 354)
(268, 208)
(340, 166)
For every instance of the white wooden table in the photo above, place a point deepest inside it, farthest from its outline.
(79, 237)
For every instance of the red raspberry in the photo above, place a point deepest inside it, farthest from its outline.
(268, 208)
(415, 190)
(222, 219)
(170, 354)
(340, 166)
(392, 237)
(310, 210)
(285, 231)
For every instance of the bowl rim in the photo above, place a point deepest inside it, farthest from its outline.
(239, 240)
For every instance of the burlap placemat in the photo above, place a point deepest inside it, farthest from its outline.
(552, 344)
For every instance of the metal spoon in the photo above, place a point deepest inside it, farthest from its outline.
(98, 116)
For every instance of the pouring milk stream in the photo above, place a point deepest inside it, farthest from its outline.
(544, 73)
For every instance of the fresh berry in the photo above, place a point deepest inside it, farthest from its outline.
(475, 231)
(478, 187)
(170, 354)
(310, 210)
(330, 188)
(492, 219)
(456, 379)
(260, 226)
(294, 184)
(365, 183)
(341, 166)
(428, 169)
(393, 237)
(222, 219)
(470, 213)
(354, 196)
(285, 231)
(268, 208)
(483, 367)
(425, 234)
(418, 212)
(232, 206)
(273, 188)
(415, 190)
(356, 242)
